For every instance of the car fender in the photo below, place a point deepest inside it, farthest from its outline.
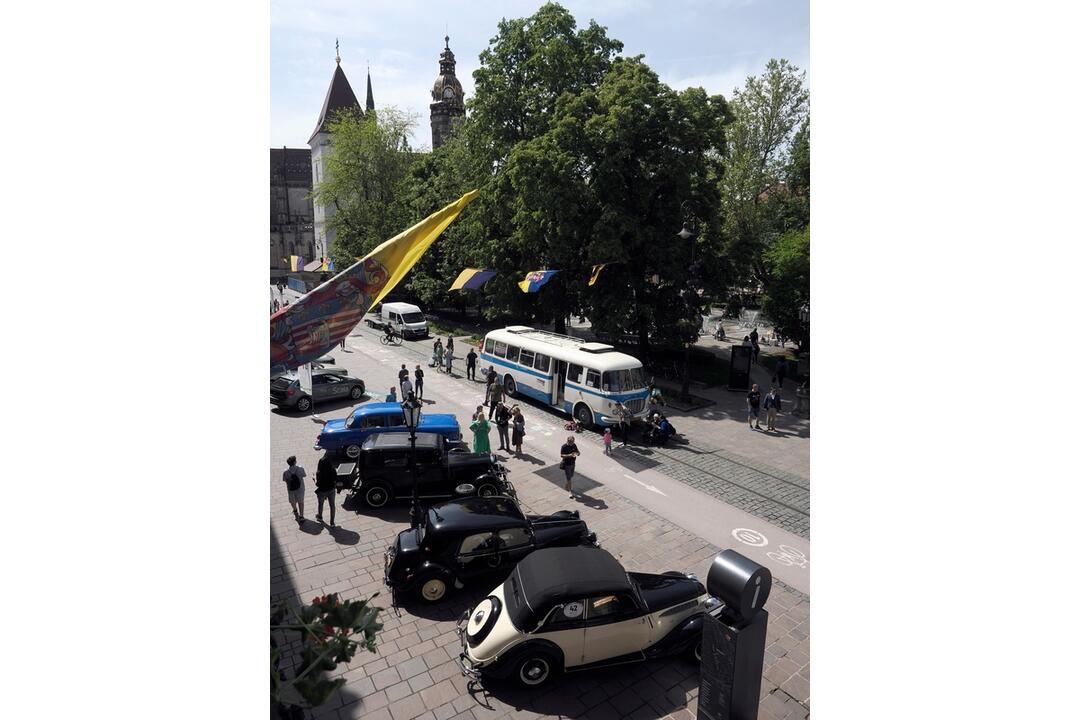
(504, 663)
(680, 638)
(429, 567)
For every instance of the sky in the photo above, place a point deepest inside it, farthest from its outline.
(714, 44)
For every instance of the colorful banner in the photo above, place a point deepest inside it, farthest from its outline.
(296, 263)
(472, 279)
(536, 280)
(596, 273)
(319, 320)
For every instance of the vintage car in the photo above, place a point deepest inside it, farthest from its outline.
(577, 608)
(326, 384)
(383, 473)
(466, 539)
(348, 434)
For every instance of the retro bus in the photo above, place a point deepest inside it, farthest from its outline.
(582, 379)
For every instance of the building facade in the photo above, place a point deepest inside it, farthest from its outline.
(448, 96)
(292, 230)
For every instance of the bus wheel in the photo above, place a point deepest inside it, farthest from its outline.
(583, 415)
(510, 385)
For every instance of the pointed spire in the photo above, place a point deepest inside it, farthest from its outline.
(339, 96)
(337, 51)
(370, 97)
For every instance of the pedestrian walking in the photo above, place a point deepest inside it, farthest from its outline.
(406, 387)
(569, 452)
(294, 482)
(781, 371)
(623, 413)
(402, 376)
(449, 360)
(755, 350)
(753, 407)
(438, 355)
(392, 395)
(753, 336)
(450, 343)
(518, 434)
(470, 364)
(480, 429)
(772, 406)
(494, 395)
(419, 384)
(343, 341)
(607, 441)
(326, 486)
(489, 377)
(502, 424)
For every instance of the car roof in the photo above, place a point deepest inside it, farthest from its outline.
(476, 513)
(396, 439)
(572, 572)
(383, 408)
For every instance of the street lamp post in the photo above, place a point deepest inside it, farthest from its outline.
(410, 407)
(688, 234)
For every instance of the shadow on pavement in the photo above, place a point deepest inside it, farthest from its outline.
(342, 536)
(455, 603)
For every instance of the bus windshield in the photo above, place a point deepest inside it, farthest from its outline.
(624, 380)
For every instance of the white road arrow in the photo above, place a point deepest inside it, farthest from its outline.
(647, 486)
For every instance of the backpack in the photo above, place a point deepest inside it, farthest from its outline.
(293, 483)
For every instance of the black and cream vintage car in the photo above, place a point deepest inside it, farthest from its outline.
(575, 609)
(463, 540)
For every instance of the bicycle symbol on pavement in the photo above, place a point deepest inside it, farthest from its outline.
(784, 554)
(789, 556)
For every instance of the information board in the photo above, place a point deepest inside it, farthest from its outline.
(739, 371)
(717, 670)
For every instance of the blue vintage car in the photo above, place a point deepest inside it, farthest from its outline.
(349, 434)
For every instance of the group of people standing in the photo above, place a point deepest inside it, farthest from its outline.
(442, 358)
(773, 405)
(325, 487)
(509, 422)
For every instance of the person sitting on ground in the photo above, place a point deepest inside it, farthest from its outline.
(392, 395)
(665, 430)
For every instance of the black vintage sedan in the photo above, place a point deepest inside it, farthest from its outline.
(467, 538)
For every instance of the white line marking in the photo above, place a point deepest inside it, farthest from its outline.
(647, 486)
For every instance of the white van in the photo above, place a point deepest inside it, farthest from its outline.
(406, 320)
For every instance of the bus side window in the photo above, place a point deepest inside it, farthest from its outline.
(489, 345)
(512, 353)
(500, 349)
(573, 373)
(592, 378)
(542, 363)
(526, 358)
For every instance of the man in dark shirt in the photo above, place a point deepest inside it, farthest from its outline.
(569, 453)
(753, 406)
(402, 376)
(502, 422)
(325, 486)
(470, 364)
(419, 384)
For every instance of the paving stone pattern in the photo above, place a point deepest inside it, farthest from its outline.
(413, 674)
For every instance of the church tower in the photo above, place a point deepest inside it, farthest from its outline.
(448, 96)
(339, 97)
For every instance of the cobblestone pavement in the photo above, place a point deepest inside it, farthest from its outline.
(775, 489)
(413, 675)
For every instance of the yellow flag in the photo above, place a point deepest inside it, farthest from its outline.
(318, 321)
(596, 273)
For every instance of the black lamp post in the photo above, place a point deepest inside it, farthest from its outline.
(804, 318)
(691, 306)
(410, 407)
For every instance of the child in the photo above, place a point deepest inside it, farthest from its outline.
(607, 441)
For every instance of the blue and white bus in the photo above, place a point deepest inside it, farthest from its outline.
(582, 379)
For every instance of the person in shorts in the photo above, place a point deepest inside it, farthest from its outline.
(294, 482)
(753, 407)
(569, 452)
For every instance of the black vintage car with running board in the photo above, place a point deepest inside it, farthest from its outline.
(465, 539)
(382, 472)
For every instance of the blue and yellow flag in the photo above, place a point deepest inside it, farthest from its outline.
(596, 273)
(536, 280)
(319, 320)
(472, 279)
(296, 263)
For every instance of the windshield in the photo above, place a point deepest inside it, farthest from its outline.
(624, 380)
(412, 317)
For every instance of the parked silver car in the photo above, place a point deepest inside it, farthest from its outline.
(326, 384)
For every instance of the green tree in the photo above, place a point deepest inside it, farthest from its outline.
(369, 159)
(768, 110)
(788, 262)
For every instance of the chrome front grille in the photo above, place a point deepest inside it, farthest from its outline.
(635, 406)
